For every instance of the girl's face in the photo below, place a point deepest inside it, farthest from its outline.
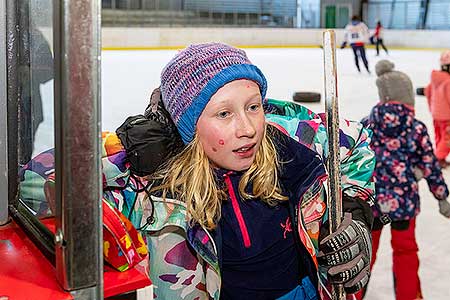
(231, 126)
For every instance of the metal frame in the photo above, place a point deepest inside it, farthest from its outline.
(17, 24)
(3, 122)
(42, 237)
(12, 45)
(79, 247)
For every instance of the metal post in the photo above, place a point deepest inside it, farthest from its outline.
(298, 19)
(363, 11)
(3, 122)
(391, 17)
(12, 62)
(405, 15)
(425, 7)
(79, 253)
(332, 120)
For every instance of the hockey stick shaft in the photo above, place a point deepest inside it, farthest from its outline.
(333, 160)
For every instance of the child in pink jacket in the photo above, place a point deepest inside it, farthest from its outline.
(438, 96)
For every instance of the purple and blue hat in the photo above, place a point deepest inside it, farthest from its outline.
(195, 74)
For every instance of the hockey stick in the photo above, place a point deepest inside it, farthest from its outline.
(333, 161)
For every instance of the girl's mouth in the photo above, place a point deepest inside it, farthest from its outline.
(245, 151)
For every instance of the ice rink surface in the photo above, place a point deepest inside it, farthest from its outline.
(128, 77)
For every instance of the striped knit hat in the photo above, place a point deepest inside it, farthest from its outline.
(195, 74)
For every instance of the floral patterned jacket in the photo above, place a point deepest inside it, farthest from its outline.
(402, 145)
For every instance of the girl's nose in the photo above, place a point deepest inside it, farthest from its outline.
(245, 127)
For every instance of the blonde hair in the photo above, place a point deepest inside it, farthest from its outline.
(189, 177)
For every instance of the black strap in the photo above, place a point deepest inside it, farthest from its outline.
(150, 220)
(140, 187)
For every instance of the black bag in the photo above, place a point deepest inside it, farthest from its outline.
(150, 140)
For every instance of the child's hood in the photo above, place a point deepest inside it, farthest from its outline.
(391, 119)
(439, 77)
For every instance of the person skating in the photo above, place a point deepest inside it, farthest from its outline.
(379, 36)
(438, 96)
(404, 154)
(356, 35)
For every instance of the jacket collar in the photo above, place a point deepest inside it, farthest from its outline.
(300, 166)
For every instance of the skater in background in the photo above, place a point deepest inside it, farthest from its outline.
(404, 154)
(239, 212)
(438, 96)
(378, 36)
(357, 35)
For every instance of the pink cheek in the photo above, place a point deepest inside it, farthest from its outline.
(221, 142)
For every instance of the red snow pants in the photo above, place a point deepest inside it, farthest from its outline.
(442, 138)
(404, 259)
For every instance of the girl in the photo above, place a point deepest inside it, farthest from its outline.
(241, 213)
(404, 154)
(438, 96)
(379, 35)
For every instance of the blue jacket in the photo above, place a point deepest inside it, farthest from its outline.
(255, 238)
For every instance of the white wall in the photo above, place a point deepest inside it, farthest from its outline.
(178, 37)
(418, 38)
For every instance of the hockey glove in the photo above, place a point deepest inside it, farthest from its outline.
(346, 254)
(444, 208)
(420, 91)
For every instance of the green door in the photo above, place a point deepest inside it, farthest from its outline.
(330, 16)
(343, 16)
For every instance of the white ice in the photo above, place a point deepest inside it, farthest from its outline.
(128, 77)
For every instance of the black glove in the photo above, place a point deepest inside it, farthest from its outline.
(346, 254)
(420, 91)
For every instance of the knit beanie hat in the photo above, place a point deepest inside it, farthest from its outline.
(393, 85)
(195, 74)
(445, 58)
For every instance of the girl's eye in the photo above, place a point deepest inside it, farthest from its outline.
(254, 107)
(223, 114)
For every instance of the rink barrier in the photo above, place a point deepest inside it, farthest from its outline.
(259, 47)
(184, 46)
(117, 38)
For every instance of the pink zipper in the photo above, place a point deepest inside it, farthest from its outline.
(237, 212)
